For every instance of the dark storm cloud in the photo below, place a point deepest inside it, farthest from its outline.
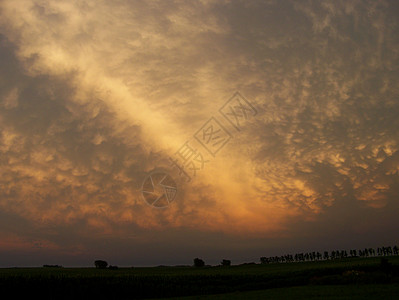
(56, 153)
(330, 106)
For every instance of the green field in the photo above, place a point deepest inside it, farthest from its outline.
(350, 278)
(312, 292)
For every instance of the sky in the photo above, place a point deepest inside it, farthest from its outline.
(153, 132)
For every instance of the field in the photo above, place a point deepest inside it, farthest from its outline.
(350, 278)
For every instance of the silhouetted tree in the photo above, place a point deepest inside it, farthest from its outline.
(226, 262)
(335, 254)
(198, 262)
(100, 264)
(264, 260)
(366, 252)
(113, 267)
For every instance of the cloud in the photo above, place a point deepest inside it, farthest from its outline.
(94, 95)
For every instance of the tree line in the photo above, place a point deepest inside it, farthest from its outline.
(298, 257)
(316, 256)
(335, 254)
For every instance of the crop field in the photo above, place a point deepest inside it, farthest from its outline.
(350, 278)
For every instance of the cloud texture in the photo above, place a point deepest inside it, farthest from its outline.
(94, 95)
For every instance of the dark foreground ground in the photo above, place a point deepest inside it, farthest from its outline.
(351, 278)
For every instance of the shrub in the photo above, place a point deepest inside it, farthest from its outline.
(198, 262)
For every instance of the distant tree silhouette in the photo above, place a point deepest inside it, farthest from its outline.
(226, 262)
(113, 267)
(264, 260)
(335, 254)
(100, 264)
(198, 262)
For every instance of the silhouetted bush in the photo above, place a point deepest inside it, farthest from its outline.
(247, 264)
(100, 264)
(226, 262)
(198, 262)
(113, 267)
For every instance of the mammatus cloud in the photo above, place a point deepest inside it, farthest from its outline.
(97, 94)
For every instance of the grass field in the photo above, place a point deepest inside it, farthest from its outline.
(312, 292)
(351, 278)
